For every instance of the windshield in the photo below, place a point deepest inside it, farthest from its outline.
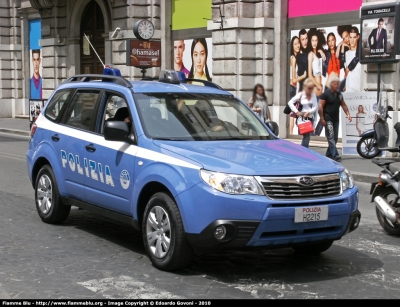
(199, 117)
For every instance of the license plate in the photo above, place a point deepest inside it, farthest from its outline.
(311, 214)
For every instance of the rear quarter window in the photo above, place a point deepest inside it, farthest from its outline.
(57, 104)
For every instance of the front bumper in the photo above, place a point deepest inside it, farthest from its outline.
(241, 234)
(260, 222)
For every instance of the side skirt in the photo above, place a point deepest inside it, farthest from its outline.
(126, 219)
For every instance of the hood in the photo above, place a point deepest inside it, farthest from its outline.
(268, 158)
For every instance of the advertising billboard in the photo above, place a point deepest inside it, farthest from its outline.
(35, 108)
(320, 54)
(35, 76)
(362, 108)
(143, 54)
(298, 8)
(379, 37)
(194, 58)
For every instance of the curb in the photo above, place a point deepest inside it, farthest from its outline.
(365, 177)
(15, 131)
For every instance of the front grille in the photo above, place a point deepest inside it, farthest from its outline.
(281, 188)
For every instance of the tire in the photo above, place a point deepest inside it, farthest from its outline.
(47, 198)
(364, 148)
(313, 249)
(393, 229)
(161, 211)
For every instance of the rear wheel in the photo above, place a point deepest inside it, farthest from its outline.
(48, 199)
(366, 147)
(314, 249)
(163, 234)
(393, 229)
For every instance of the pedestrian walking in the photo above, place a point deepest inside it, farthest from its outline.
(309, 105)
(329, 108)
(258, 103)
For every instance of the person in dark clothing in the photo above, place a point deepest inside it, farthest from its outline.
(329, 109)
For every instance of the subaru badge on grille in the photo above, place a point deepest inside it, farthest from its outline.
(306, 181)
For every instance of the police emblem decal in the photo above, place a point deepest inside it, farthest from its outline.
(125, 179)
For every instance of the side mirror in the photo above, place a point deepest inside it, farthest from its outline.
(273, 126)
(247, 126)
(117, 131)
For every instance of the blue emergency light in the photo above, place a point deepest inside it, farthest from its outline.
(172, 76)
(108, 70)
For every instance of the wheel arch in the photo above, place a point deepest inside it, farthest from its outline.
(148, 190)
(158, 177)
(39, 163)
(46, 155)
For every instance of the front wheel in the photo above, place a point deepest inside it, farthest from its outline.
(391, 228)
(163, 234)
(366, 147)
(314, 249)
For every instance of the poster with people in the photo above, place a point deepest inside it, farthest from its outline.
(35, 108)
(35, 76)
(362, 107)
(377, 38)
(320, 54)
(194, 58)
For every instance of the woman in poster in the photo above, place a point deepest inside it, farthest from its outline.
(331, 66)
(342, 47)
(360, 119)
(199, 53)
(294, 78)
(316, 55)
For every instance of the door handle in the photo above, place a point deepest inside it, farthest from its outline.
(90, 148)
(55, 138)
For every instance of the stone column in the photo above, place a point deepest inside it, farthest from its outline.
(251, 49)
(11, 101)
(73, 56)
(25, 61)
(166, 44)
(124, 15)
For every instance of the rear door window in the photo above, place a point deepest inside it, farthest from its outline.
(81, 110)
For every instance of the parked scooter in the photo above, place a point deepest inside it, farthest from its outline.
(367, 146)
(386, 192)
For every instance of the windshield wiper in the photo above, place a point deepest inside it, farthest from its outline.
(231, 138)
(169, 139)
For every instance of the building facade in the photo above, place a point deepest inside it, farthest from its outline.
(247, 42)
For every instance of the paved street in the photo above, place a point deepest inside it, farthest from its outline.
(89, 257)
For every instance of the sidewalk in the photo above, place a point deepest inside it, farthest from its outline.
(15, 126)
(363, 170)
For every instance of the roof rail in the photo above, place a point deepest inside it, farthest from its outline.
(205, 83)
(105, 78)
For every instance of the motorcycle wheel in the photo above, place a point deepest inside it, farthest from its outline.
(366, 148)
(393, 229)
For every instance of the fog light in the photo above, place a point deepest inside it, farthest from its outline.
(220, 232)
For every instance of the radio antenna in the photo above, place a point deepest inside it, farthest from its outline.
(104, 66)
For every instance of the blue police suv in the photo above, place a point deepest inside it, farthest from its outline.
(188, 165)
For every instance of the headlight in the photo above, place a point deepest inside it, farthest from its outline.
(347, 180)
(232, 184)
